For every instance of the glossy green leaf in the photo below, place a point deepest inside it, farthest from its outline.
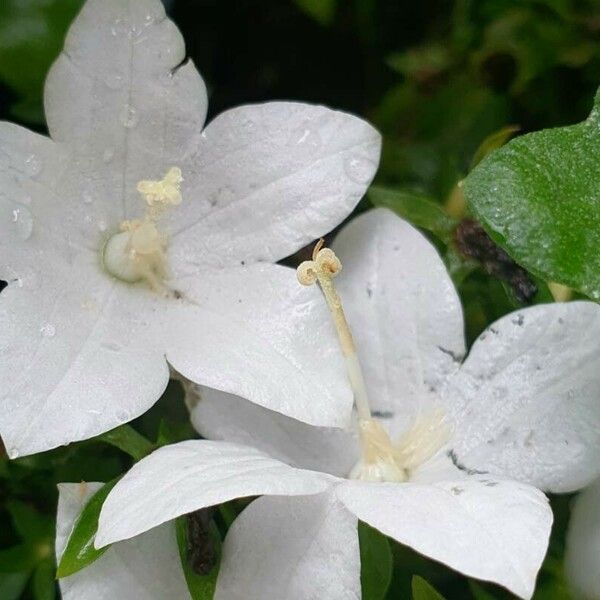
(43, 582)
(126, 438)
(375, 562)
(418, 209)
(201, 587)
(421, 590)
(79, 551)
(539, 198)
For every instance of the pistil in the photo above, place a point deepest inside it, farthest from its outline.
(381, 460)
(378, 461)
(137, 252)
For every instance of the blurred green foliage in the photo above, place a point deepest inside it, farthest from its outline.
(445, 81)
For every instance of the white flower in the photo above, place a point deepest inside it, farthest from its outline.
(448, 466)
(145, 568)
(116, 234)
(582, 557)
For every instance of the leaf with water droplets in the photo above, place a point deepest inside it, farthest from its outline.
(80, 551)
(539, 198)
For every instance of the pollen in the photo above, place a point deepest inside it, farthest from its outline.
(138, 252)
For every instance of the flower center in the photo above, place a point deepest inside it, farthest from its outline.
(381, 459)
(137, 252)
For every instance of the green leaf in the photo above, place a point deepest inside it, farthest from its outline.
(375, 561)
(12, 585)
(201, 587)
(538, 197)
(493, 142)
(79, 551)
(43, 583)
(322, 11)
(126, 438)
(21, 557)
(421, 590)
(31, 36)
(30, 524)
(418, 209)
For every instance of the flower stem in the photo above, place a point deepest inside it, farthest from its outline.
(126, 438)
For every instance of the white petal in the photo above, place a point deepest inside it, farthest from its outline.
(404, 313)
(118, 97)
(582, 558)
(145, 568)
(79, 356)
(302, 548)
(184, 477)
(30, 166)
(221, 416)
(274, 177)
(257, 333)
(526, 403)
(491, 529)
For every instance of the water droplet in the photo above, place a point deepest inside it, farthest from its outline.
(33, 165)
(102, 226)
(48, 330)
(13, 453)
(118, 27)
(114, 80)
(23, 222)
(134, 31)
(360, 170)
(305, 136)
(129, 116)
(149, 19)
(108, 155)
(113, 346)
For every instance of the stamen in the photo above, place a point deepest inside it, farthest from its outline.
(324, 266)
(138, 252)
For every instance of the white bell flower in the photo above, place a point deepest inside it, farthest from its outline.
(446, 458)
(135, 237)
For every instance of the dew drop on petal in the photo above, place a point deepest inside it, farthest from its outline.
(48, 330)
(114, 80)
(112, 346)
(118, 27)
(13, 453)
(305, 136)
(33, 166)
(359, 170)
(23, 222)
(102, 226)
(129, 117)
